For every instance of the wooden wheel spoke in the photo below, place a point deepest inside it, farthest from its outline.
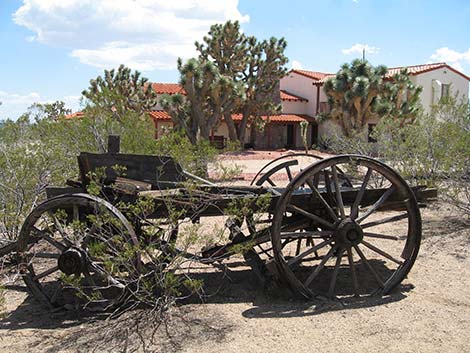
(377, 204)
(360, 194)
(381, 252)
(328, 187)
(49, 239)
(43, 255)
(46, 273)
(289, 173)
(36, 290)
(76, 215)
(339, 198)
(287, 241)
(352, 268)
(270, 182)
(385, 220)
(335, 274)
(306, 234)
(265, 251)
(380, 236)
(299, 244)
(312, 216)
(309, 251)
(369, 266)
(322, 200)
(320, 266)
(316, 180)
(58, 226)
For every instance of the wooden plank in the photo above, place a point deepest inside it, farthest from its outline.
(149, 169)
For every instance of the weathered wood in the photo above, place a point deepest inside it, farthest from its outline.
(155, 170)
(114, 144)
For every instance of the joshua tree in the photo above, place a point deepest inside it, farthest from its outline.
(360, 92)
(250, 70)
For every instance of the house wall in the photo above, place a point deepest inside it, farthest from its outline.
(295, 107)
(429, 96)
(222, 130)
(162, 127)
(301, 86)
(278, 136)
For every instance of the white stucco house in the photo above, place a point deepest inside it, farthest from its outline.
(437, 81)
(303, 98)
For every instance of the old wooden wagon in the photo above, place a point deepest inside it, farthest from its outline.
(342, 226)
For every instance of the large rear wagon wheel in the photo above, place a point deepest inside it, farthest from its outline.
(78, 251)
(362, 239)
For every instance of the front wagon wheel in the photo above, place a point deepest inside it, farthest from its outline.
(78, 251)
(361, 239)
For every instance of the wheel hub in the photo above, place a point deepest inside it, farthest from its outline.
(348, 233)
(71, 261)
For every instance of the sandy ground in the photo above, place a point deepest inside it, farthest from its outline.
(429, 312)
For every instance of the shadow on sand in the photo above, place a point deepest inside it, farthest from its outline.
(237, 284)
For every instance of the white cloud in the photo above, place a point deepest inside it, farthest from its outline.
(144, 34)
(296, 65)
(15, 104)
(358, 48)
(452, 57)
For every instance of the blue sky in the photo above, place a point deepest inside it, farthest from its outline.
(50, 49)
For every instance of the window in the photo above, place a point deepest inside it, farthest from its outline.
(371, 128)
(445, 90)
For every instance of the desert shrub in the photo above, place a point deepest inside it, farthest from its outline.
(194, 158)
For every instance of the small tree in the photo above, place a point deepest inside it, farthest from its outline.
(359, 92)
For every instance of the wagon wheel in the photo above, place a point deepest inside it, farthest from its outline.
(362, 240)
(78, 251)
(288, 165)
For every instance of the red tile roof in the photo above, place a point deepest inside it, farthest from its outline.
(281, 118)
(74, 115)
(420, 69)
(159, 115)
(167, 88)
(412, 70)
(173, 88)
(314, 75)
(286, 96)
